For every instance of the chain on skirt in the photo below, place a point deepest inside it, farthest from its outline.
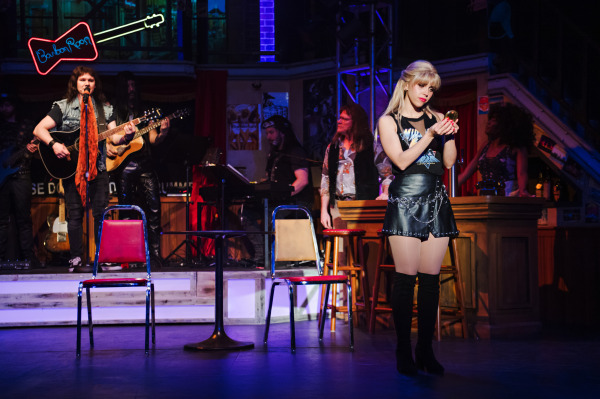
(418, 204)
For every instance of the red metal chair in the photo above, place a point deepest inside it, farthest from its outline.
(120, 241)
(294, 241)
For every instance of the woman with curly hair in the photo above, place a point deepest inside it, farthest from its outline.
(503, 159)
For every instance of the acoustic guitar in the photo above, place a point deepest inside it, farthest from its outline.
(63, 168)
(124, 150)
(57, 240)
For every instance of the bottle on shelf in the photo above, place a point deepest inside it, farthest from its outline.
(539, 186)
(556, 191)
(547, 188)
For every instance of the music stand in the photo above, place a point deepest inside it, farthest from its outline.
(228, 180)
(191, 149)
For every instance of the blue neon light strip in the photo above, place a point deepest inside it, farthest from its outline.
(267, 29)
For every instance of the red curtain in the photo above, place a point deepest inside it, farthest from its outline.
(211, 105)
(462, 98)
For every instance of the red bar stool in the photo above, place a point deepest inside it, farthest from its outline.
(355, 267)
(449, 272)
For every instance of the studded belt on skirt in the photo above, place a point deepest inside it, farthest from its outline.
(418, 204)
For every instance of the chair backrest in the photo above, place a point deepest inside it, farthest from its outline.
(122, 241)
(294, 238)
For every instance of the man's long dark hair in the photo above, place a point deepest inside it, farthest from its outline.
(72, 92)
(121, 100)
(360, 134)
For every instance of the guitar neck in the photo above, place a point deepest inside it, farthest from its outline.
(146, 23)
(61, 210)
(121, 128)
(151, 126)
(145, 130)
(61, 202)
(107, 133)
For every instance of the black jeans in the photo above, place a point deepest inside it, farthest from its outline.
(137, 184)
(98, 194)
(15, 194)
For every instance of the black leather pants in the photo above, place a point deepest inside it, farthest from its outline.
(137, 184)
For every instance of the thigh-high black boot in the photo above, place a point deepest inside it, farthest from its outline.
(402, 308)
(428, 297)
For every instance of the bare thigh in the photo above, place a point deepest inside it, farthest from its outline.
(411, 255)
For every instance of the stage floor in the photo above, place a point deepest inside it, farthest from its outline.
(40, 363)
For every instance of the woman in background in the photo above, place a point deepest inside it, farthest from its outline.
(503, 159)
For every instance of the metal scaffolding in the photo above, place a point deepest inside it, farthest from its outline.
(364, 52)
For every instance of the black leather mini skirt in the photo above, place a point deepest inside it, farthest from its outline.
(418, 204)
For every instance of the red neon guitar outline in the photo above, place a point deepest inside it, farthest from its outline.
(78, 44)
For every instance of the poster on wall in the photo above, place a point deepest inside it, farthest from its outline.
(243, 131)
(320, 118)
(275, 104)
(483, 105)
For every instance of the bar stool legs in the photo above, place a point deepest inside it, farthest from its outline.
(354, 266)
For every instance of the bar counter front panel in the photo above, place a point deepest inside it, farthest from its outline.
(498, 252)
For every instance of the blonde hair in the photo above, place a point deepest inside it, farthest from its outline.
(419, 71)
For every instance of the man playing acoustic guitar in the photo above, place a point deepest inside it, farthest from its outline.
(84, 111)
(134, 175)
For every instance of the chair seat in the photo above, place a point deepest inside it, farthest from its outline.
(344, 232)
(114, 281)
(316, 279)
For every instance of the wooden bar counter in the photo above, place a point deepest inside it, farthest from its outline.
(498, 252)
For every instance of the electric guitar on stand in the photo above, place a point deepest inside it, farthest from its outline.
(57, 240)
(124, 150)
(63, 168)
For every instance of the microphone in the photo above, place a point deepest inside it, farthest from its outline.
(86, 94)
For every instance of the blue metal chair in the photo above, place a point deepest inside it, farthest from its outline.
(294, 240)
(120, 241)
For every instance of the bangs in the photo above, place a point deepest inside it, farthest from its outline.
(428, 78)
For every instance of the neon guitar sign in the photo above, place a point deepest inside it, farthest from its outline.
(79, 44)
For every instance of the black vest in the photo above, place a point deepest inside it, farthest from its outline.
(366, 177)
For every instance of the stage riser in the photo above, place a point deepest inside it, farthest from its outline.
(180, 297)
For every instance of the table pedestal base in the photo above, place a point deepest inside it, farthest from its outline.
(218, 341)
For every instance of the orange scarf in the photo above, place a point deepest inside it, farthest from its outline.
(92, 146)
